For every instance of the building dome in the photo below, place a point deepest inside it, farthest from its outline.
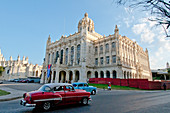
(86, 24)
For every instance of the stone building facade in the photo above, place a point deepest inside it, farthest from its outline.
(87, 54)
(19, 68)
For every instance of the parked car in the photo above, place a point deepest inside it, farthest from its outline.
(33, 79)
(1, 82)
(25, 81)
(16, 80)
(55, 94)
(85, 86)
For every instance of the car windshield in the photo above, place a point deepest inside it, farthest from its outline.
(45, 88)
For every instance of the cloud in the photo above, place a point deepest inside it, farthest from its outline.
(146, 35)
(153, 38)
(138, 28)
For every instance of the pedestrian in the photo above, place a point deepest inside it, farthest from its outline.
(164, 85)
(109, 86)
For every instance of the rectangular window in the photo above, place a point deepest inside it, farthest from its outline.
(101, 60)
(107, 47)
(96, 61)
(57, 55)
(101, 49)
(114, 58)
(107, 59)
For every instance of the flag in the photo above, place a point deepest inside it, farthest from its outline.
(48, 70)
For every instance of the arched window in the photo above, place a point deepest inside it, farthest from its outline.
(124, 74)
(101, 74)
(96, 74)
(107, 74)
(78, 54)
(114, 74)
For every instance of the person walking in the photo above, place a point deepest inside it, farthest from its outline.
(164, 85)
(109, 86)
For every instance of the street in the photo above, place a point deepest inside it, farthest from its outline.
(114, 101)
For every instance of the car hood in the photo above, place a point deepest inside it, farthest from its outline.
(79, 90)
(35, 92)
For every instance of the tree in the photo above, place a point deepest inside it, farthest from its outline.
(1, 70)
(160, 9)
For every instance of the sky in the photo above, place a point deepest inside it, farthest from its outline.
(26, 24)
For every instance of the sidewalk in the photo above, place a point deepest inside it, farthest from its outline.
(15, 94)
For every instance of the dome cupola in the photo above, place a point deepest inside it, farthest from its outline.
(86, 24)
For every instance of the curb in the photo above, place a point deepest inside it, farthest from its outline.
(8, 99)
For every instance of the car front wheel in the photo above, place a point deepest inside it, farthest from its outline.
(84, 101)
(46, 106)
(93, 92)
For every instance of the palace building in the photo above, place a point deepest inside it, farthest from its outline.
(19, 68)
(87, 54)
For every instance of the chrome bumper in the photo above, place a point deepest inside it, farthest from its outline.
(90, 101)
(23, 102)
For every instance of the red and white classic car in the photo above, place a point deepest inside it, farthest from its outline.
(55, 94)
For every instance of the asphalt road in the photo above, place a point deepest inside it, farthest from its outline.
(104, 102)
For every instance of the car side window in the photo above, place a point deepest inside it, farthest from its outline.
(85, 85)
(75, 85)
(61, 88)
(80, 85)
(47, 89)
(70, 88)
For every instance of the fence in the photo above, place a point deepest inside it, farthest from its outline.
(136, 83)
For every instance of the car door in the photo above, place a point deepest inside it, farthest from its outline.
(59, 91)
(70, 94)
(80, 86)
(86, 87)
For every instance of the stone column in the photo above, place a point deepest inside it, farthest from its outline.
(46, 78)
(42, 77)
(73, 77)
(93, 74)
(105, 74)
(56, 77)
(111, 74)
(67, 76)
(52, 76)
